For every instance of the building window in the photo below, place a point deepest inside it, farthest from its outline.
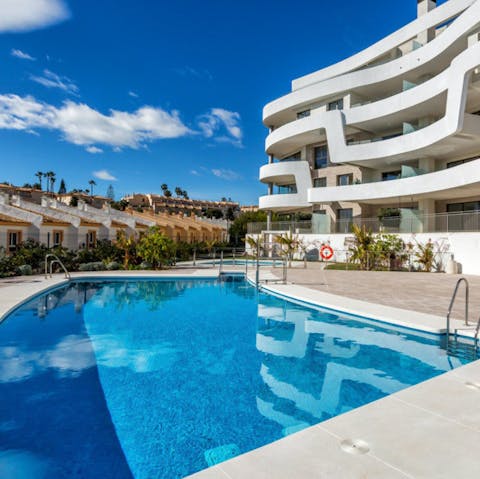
(286, 189)
(57, 238)
(295, 157)
(91, 239)
(320, 182)
(335, 105)
(14, 238)
(344, 220)
(452, 164)
(391, 175)
(321, 157)
(345, 180)
(462, 207)
(303, 114)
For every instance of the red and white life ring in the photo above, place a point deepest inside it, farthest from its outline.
(326, 252)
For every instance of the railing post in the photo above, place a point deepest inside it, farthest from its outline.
(257, 272)
(194, 256)
(234, 263)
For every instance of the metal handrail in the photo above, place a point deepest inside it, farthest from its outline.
(477, 331)
(48, 270)
(452, 301)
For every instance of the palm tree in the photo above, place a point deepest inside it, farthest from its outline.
(39, 175)
(92, 184)
(52, 180)
(46, 175)
(164, 187)
(178, 191)
(290, 245)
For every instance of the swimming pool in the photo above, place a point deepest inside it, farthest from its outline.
(162, 378)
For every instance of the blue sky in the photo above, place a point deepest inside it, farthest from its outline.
(136, 93)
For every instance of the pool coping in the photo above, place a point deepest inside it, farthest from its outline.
(385, 421)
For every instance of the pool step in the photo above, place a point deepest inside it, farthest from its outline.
(221, 453)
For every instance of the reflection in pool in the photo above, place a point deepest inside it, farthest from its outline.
(147, 379)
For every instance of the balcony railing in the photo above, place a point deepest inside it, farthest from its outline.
(415, 223)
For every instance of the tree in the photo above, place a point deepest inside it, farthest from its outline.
(230, 214)
(238, 229)
(128, 246)
(110, 193)
(167, 193)
(92, 183)
(214, 213)
(39, 175)
(185, 194)
(52, 180)
(178, 191)
(156, 248)
(164, 187)
(290, 245)
(47, 180)
(63, 189)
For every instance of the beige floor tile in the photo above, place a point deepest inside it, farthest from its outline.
(415, 441)
(312, 454)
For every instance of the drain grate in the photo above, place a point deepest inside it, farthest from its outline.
(475, 386)
(354, 446)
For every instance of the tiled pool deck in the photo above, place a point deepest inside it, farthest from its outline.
(427, 431)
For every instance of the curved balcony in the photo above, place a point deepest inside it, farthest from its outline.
(450, 87)
(459, 181)
(286, 173)
(441, 50)
(385, 45)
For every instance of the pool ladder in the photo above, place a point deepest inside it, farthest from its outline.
(467, 325)
(50, 260)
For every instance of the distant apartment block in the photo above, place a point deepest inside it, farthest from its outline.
(174, 205)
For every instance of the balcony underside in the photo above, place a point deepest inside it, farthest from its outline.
(458, 182)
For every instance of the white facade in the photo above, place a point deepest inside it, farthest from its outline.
(393, 128)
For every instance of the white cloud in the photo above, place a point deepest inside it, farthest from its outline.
(104, 175)
(52, 80)
(82, 125)
(26, 15)
(93, 150)
(195, 173)
(222, 125)
(226, 174)
(22, 55)
(133, 94)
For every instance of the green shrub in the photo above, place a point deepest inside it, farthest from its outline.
(156, 248)
(25, 270)
(93, 266)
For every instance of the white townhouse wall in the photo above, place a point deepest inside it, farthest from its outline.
(64, 226)
(389, 137)
(132, 225)
(55, 224)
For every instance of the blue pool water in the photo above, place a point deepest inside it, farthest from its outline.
(159, 379)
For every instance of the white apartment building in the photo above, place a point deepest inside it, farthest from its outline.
(389, 137)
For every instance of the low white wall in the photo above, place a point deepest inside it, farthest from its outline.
(465, 247)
